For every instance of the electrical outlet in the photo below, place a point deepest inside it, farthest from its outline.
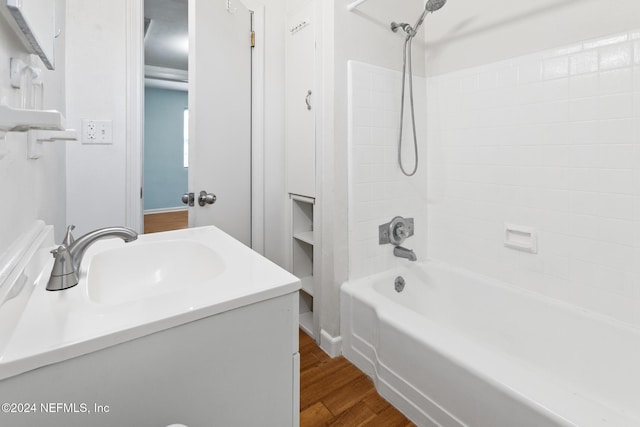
(97, 131)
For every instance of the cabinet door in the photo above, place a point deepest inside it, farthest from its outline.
(300, 108)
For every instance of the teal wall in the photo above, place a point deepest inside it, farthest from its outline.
(165, 178)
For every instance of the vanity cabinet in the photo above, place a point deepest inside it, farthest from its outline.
(237, 368)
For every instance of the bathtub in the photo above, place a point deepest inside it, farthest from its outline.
(455, 348)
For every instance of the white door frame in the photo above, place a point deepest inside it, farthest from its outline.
(135, 119)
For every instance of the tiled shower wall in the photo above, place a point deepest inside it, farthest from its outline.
(378, 191)
(551, 141)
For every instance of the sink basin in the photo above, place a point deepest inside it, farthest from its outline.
(147, 269)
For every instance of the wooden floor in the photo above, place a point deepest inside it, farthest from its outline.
(333, 392)
(154, 223)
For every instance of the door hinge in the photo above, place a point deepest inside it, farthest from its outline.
(253, 39)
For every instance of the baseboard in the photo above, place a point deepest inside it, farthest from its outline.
(165, 210)
(331, 345)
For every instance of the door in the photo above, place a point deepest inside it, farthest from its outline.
(220, 115)
(300, 108)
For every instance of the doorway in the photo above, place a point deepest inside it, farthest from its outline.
(165, 170)
(170, 77)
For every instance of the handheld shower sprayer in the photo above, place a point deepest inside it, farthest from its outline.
(430, 7)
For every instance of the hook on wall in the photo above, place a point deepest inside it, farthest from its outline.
(230, 9)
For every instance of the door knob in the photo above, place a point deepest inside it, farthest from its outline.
(188, 199)
(206, 198)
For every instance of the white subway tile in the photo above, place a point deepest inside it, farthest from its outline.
(616, 106)
(554, 68)
(583, 226)
(584, 156)
(470, 83)
(529, 71)
(586, 203)
(557, 221)
(361, 96)
(617, 131)
(584, 179)
(582, 109)
(583, 86)
(584, 62)
(616, 81)
(615, 56)
(615, 205)
(378, 116)
(617, 156)
(616, 256)
(361, 117)
(636, 77)
(378, 100)
(557, 266)
(361, 135)
(617, 181)
(616, 231)
(507, 77)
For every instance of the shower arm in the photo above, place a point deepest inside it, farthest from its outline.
(355, 4)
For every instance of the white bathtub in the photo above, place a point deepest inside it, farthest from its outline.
(454, 348)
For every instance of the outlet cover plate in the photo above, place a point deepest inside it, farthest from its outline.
(97, 131)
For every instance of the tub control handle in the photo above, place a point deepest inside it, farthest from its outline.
(395, 231)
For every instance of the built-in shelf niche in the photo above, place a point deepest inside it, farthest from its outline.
(302, 253)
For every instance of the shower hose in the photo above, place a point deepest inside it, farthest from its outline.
(406, 63)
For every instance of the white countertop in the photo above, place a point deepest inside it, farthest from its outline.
(56, 326)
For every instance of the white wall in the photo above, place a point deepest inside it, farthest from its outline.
(276, 200)
(363, 35)
(31, 189)
(96, 79)
(549, 140)
(97, 89)
(466, 33)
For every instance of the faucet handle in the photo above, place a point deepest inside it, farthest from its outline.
(68, 238)
(63, 274)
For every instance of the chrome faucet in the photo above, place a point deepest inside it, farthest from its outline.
(402, 252)
(396, 232)
(68, 255)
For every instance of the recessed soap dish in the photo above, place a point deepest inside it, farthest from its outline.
(521, 237)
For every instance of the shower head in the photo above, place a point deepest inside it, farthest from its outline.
(430, 7)
(433, 5)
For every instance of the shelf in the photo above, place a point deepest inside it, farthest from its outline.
(305, 236)
(307, 284)
(306, 323)
(20, 120)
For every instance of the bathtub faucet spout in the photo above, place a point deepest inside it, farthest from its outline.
(402, 252)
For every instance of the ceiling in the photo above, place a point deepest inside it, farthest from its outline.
(166, 43)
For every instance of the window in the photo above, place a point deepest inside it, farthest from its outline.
(185, 142)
